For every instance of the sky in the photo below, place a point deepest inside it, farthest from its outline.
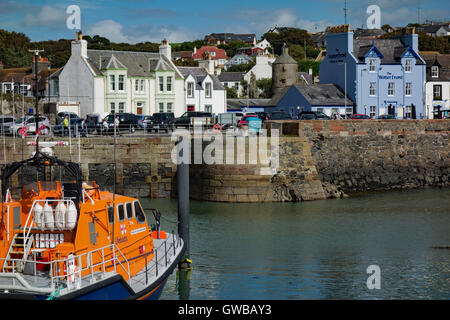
(135, 21)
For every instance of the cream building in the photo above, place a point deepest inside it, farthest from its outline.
(121, 81)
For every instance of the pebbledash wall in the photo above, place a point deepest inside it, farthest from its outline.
(317, 160)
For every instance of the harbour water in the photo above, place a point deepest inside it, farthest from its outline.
(317, 249)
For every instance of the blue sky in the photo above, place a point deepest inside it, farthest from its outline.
(181, 20)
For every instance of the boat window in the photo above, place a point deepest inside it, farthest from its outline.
(129, 210)
(138, 212)
(120, 212)
(110, 214)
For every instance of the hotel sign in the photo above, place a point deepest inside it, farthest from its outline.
(338, 57)
(389, 77)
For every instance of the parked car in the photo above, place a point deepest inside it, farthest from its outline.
(127, 121)
(97, 119)
(30, 125)
(161, 121)
(278, 115)
(312, 115)
(61, 115)
(6, 122)
(359, 116)
(186, 119)
(147, 120)
(141, 118)
(244, 120)
(386, 116)
(262, 115)
(75, 127)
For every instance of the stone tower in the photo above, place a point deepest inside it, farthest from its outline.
(284, 71)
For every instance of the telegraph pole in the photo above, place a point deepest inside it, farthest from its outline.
(36, 93)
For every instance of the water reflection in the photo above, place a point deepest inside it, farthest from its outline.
(316, 250)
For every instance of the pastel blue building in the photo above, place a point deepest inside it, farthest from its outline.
(382, 76)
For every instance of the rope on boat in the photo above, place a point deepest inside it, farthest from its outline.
(53, 295)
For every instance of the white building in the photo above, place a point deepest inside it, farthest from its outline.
(203, 90)
(121, 81)
(265, 45)
(262, 69)
(437, 86)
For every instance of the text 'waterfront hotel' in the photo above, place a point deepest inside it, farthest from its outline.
(381, 76)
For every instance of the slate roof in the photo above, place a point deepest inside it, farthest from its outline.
(231, 76)
(246, 37)
(324, 95)
(306, 77)
(435, 28)
(440, 60)
(391, 49)
(137, 63)
(200, 74)
(237, 104)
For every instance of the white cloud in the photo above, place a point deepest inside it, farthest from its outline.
(108, 29)
(115, 32)
(48, 16)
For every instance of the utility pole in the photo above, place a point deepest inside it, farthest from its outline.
(345, 12)
(36, 93)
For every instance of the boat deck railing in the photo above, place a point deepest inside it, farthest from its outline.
(33, 280)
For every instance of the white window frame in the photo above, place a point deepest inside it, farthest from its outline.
(169, 107)
(372, 65)
(121, 107)
(161, 106)
(142, 85)
(161, 83)
(208, 90)
(112, 106)
(112, 83)
(408, 65)
(372, 89)
(190, 89)
(136, 85)
(391, 89)
(208, 108)
(434, 71)
(372, 111)
(169, 84)
(121, 83)
(408, 88)
(439, 87)
(408, 112)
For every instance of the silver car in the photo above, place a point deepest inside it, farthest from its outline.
(31, 125)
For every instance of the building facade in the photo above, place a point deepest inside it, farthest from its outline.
(437, 88)
(382, 76)
(121, 81)
(203, 91)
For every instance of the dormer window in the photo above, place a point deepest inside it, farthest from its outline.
(408, 66)
(372, 65)
(435, 72)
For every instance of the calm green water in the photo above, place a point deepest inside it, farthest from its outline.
(316, 250)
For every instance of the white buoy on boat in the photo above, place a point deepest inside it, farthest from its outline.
(60, 216)
(37, 215)
(48, 217)
(71, 216)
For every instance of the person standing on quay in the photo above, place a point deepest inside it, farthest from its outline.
(66, 125)
(116, 125)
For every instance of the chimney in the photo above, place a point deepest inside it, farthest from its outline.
(79, 46)
(43, 64)
(165, 49)
(195, 50)
(207, 64)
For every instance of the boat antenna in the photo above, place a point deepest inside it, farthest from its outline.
(114, 183)
(36, 94)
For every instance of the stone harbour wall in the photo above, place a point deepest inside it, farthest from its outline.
(317, 160)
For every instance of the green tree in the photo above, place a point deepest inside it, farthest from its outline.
(243, 67)
(265, 87)
(231, 92)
